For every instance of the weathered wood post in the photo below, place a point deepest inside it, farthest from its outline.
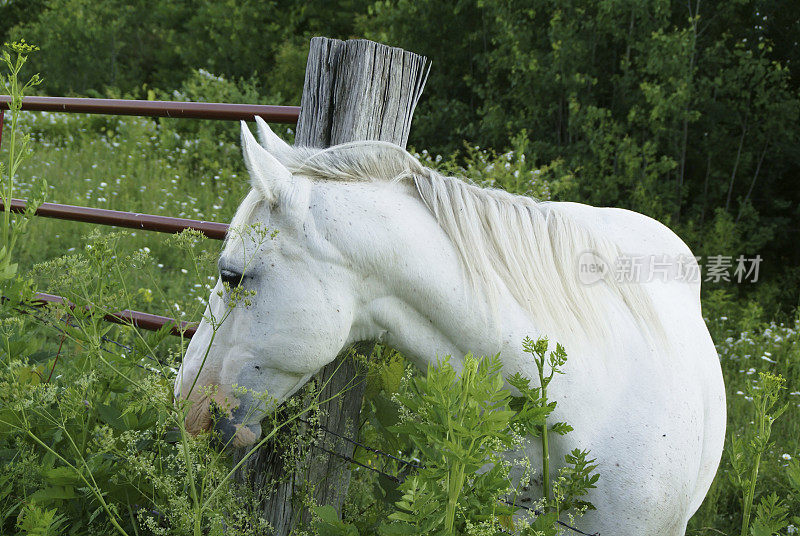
(354, 90)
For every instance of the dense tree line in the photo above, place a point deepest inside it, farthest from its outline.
(683, 110)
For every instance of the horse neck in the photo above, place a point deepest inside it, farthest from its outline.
(416, 294)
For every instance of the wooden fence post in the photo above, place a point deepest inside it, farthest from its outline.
(354, 90)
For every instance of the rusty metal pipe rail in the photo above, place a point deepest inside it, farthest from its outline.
(127, 317)
(173, 109)
(148, 222)
(130, 220)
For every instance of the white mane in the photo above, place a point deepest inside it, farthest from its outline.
(528, 246)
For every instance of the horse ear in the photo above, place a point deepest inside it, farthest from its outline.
(267, 174)
(271, 142)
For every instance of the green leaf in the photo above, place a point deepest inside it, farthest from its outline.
(61, 476)
(561, 428)
(111, 415)
(770, 517)
(36, 521)
(329, 524)
(397, 529)
(46, 495)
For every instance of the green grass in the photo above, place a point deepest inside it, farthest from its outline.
(129, 164)
(771, 347)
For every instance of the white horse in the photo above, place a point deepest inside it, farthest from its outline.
(373, 246)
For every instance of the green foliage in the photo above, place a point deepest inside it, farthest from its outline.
(512, 171)
(577, 477)
(14, 56)
(90, 428)
(746, 451)
(212, 145)
(35, 521)
(688, 115)
(752, 352)
(145, 44)
(460, 425)
(327, 523)
(770, 517)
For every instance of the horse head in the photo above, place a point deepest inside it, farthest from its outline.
(300, 281)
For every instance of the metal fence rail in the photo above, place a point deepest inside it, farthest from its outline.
(175, 109)
(127, 317)
(130, 220)
(133, 220)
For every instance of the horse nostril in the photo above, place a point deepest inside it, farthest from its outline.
(224, 430)
(258, 368)
(228, 433)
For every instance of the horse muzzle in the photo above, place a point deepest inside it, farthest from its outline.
(231, 431)
(227, 423)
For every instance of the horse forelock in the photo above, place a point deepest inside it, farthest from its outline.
(530, 247)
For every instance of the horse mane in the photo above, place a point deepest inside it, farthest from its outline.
(531, 247)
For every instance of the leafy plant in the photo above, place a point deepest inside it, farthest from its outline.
(746, 452)
(36, 521)
(534, 408)
(461, 426)
(14, 56)
(458, 425)
(770, 516)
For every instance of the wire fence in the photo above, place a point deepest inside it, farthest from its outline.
(400, 479)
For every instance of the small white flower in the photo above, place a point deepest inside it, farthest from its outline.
(786, 457)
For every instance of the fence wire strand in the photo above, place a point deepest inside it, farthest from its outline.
(400, 479)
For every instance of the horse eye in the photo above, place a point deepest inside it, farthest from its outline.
(232, 278)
